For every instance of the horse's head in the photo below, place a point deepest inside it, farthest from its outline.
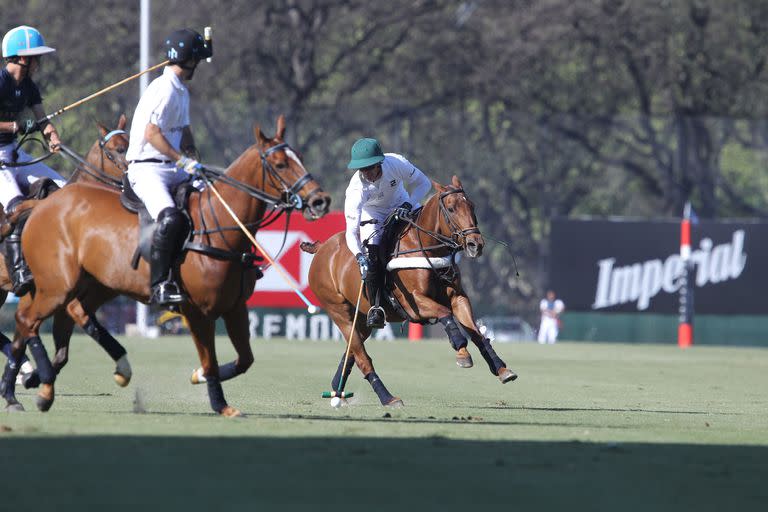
(108, 154)
(458, 217)
(287, 177)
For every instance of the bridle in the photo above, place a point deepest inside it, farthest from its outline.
(120, 163)
(458, 234)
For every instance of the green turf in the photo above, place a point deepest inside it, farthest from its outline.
(590, 426)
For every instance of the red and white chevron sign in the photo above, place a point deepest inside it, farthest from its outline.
(272, 290)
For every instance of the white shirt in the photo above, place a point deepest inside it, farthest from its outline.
(551, 309)
(165, 103)
(377, 199)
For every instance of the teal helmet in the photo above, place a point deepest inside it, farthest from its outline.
(24, 41)
(365, 152)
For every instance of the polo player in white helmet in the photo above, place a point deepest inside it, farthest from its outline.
(23, 48)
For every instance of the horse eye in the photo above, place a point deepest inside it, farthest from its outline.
(450, 209)
(121, 150)
(282, 166)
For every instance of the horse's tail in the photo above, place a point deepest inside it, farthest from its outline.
(310, 247)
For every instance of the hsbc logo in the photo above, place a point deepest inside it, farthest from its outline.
(292, 260)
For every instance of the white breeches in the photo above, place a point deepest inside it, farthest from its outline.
(548, 330)
(371, 232)
(15, 181)
(152, 182)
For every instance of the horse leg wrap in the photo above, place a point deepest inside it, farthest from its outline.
(336, 382)
(102, 336)
(381, 391)
(494, 362)
(8, 382)
(8, 350)
(216, 394)
(228, 371)
(458, 341)
(44, 367)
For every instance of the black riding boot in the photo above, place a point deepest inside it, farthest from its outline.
(172, 227)
(373, 283)
(21, 276)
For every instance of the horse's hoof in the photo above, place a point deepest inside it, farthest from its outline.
(506, 375)
(14, 407)
(197, 376)
(395, 402)
(121, 380)
(123, 372)
(463, 358)
(45, 397)
(231, 412)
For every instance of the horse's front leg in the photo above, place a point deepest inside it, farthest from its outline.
(462, 308)
(238, 329)
(203, 329)
(428, 308)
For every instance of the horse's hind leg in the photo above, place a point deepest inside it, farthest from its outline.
(463, 310)
(238, 329)
(363, 360)
(80, 313)
(203, 329)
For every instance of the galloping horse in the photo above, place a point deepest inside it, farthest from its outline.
(88, 236)
(425, 283)
(104, 163)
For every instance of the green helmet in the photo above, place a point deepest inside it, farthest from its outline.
(365, 152)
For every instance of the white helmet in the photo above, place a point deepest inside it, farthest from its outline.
(24, 41)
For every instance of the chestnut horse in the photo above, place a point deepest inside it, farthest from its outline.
(82, 234)
(424, 280)
(104, 163)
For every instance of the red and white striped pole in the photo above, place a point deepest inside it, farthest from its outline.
(685, 324)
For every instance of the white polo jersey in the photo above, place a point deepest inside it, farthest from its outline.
(366, 200)
(165, 103)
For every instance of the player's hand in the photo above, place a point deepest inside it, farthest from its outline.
(190, 165)
(363, 262)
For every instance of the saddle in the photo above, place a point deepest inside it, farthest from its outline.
(181, 194)
(390, 242)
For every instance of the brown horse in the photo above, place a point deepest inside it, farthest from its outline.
(425, 282)
(104, 163)
(88, 236)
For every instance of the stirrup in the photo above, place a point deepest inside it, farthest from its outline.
(376, 317)
(167, 292)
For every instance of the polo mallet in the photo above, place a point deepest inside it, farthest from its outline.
(311, 308)
(99, 93)
(341, 393)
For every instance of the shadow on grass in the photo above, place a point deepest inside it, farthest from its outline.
(260, 473)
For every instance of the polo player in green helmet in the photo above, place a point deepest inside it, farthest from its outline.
(383, 184)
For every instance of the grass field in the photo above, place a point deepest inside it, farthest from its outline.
(585, 427)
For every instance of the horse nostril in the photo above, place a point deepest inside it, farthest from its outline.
(319, 204)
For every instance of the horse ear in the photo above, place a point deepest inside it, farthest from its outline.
(438, 186)
(456, 182)
(102, 129)
(260, 137)
(280, 127)
(121, 122)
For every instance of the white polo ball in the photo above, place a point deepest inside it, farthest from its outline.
(313, 309)
(335, 402)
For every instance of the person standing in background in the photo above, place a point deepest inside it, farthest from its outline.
(551, 307)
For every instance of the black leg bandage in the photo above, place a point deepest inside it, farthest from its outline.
(336, 382)
(228, 371)
(44, 367)
(8, 382)
(494, 362)
(454, 334)
(216, 394)
(381, 391)
(102, 336)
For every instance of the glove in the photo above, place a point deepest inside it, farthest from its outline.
(363, 262)
(190, 165)
(27, 126)
(403, 211)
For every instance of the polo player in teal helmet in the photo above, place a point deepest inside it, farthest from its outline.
(383, 184)
(23, 47)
